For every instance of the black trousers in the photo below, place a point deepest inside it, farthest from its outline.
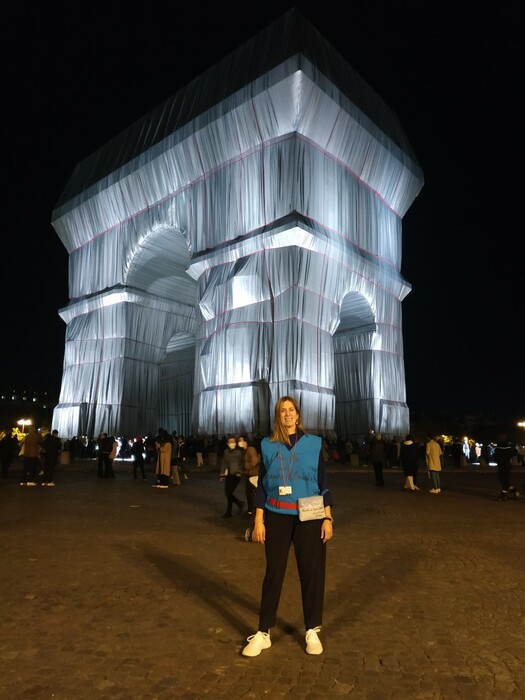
(504, 477)
(310, 554)
(250, 490)
(105, 466)
(378, 473)
(49, 468)
(138, 463)
(31, 465)
(230, 484)
(6, 463)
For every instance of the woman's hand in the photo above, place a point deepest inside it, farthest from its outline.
(259, 533)
(327, 530)
(259, 530)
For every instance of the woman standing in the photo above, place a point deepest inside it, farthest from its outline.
(291, 468)
(251, 471)
(163, 468)
(378, 457)
(433, 454)
(409, 460)
(232, 466)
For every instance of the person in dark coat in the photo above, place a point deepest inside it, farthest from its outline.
(503, 454)
(52, 446)
(409, 461)
(232, 469)
(105, 463)
(137, 455)
(8, 449)
(377, 456)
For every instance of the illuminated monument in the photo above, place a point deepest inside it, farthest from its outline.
(241, 242)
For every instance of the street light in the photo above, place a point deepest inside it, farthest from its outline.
(23, 422)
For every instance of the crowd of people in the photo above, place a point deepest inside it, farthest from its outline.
(167, 455)
(39, 455)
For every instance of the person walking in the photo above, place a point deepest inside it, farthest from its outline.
(409, 461)
(251, 472)
(137, 455)
(8, 449)
(232, 467)
(433, 455)
(106, 446)
(52, 446)
(181, 456)
(199, 451)
(378, 458)
(291, 468)
(503, 454)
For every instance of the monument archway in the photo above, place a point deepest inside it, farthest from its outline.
(241, 242)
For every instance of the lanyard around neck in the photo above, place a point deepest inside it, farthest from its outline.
(285, 480)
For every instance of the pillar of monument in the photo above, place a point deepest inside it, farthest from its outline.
(111, 369)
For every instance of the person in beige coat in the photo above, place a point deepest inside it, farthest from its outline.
(434, 454)
(32, 444)
(163, 467)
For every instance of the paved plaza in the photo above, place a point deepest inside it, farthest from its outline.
(113, 589)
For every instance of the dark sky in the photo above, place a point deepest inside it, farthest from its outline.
(79, 74)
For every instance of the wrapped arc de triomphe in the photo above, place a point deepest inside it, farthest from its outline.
(242, 242)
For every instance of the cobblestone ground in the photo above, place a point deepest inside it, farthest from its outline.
(113, 589)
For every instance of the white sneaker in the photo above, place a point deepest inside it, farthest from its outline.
(256, 643)
(433, 491)
(313, 643)
(51, 483)
(31, 483)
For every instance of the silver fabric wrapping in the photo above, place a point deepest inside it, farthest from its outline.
(224, 257)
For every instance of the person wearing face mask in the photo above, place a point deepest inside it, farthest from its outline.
(232, 468)
(291, 468)
(251, 471)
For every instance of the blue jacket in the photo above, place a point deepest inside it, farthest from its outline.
(300, 467)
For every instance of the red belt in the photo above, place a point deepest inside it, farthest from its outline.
(282, 504)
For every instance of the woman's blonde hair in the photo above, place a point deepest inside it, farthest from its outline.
(280, 434)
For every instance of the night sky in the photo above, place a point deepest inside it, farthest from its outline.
(78, 75)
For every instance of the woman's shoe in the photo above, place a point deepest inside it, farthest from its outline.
(256, 643)
(313, 643)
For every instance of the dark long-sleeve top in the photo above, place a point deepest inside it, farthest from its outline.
(260, 493)
(233, 461)
(503, 454)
